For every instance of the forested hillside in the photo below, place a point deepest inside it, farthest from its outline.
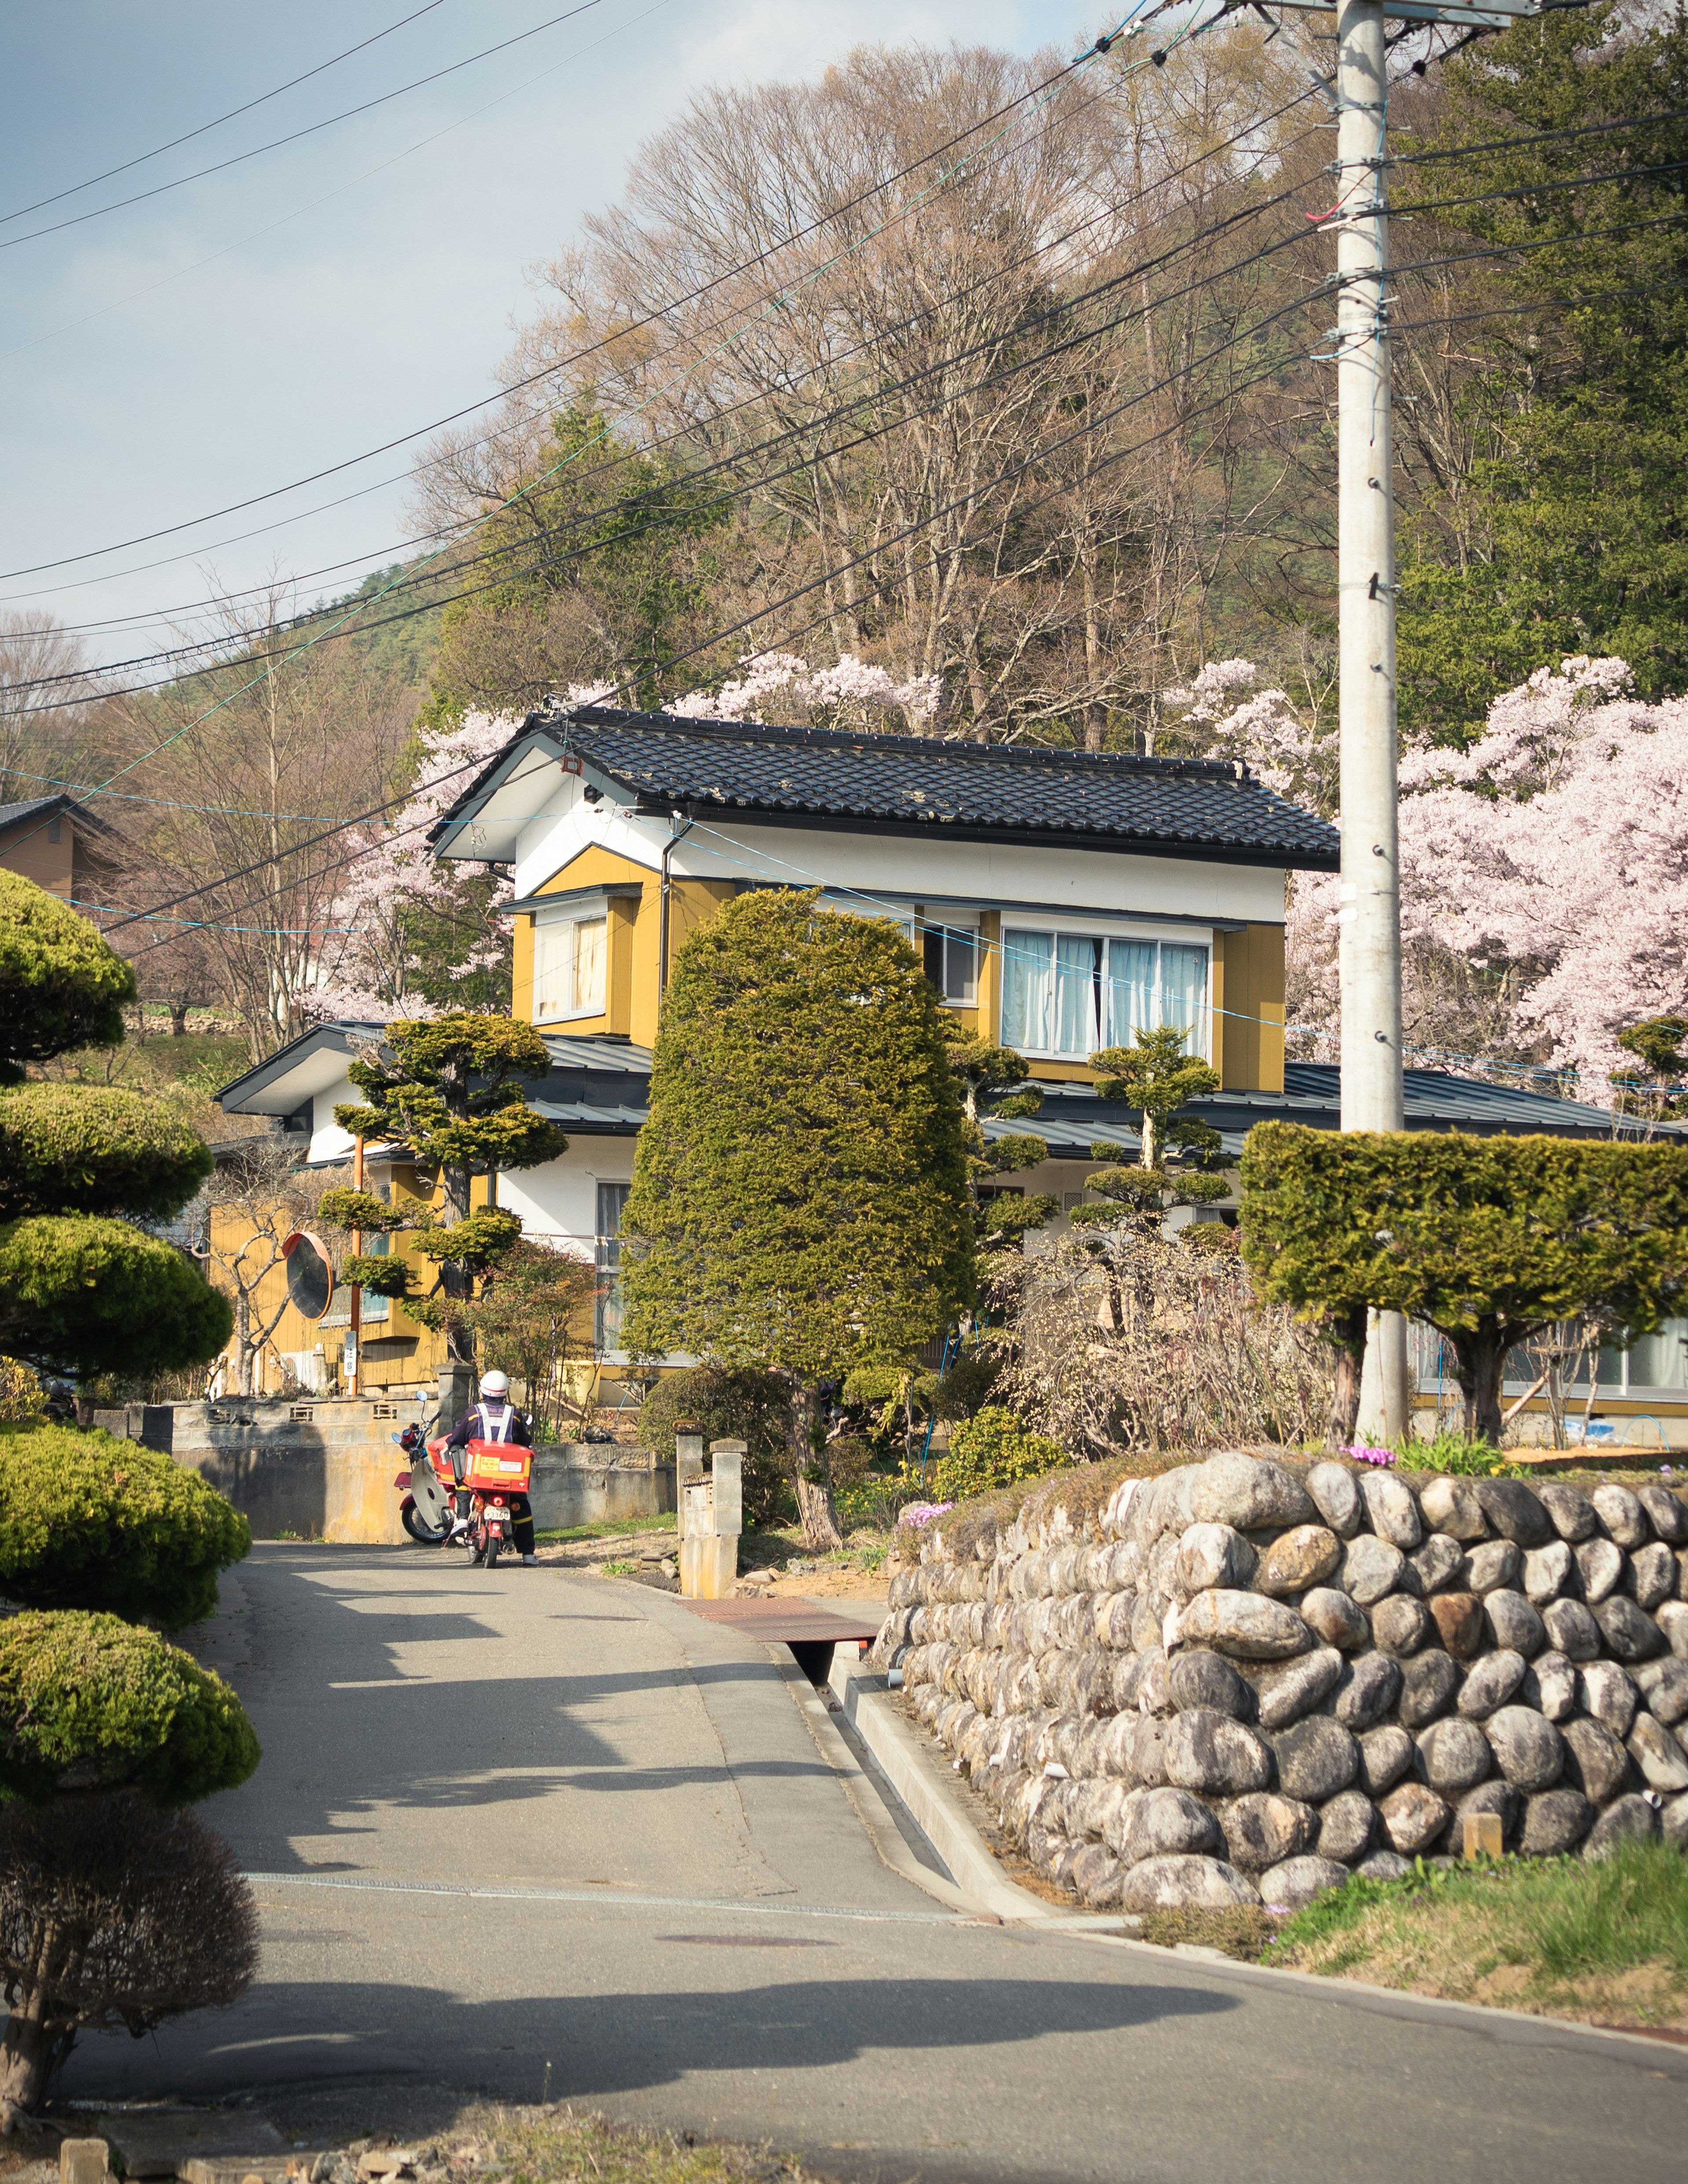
(971, 396)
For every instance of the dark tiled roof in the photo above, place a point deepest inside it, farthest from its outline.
(1313, 1094)
(1182, 807)
(45, 807)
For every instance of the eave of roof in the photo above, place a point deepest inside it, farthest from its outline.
(46, 807)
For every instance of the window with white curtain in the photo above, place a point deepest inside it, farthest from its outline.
(1068, 994)
(568, 967)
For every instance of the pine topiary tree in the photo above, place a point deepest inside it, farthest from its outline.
(1489, 1240)
(1155, 1079)
(89, 1521)
(92, 1709)
(82, 1288)
(450, 1091)
(995, 1083)
(800, 1192)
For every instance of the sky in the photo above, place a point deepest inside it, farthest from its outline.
(213, 342)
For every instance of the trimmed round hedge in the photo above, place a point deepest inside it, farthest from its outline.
(83, 1295)
(96, 1149)
(61, 984)
(91, 1703)
(90, 1521)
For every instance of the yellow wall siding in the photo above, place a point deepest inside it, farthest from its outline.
(25, 849)
(1253, 999)
(990, 975)
(625, 940)
(521, 971)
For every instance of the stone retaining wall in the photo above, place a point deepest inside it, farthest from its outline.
(1245, 1679)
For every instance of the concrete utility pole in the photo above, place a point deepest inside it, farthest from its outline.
(1369, 916)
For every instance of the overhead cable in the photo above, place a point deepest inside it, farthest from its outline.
(312, 128)
(233, 115)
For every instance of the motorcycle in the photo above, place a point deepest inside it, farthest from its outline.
(490, 1470)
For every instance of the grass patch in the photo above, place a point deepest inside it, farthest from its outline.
(1243, 1931)
(620, 1529)
(554, 2145)
(1605, 1942)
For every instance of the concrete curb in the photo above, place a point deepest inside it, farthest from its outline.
(861, 1789)
(919, 1779)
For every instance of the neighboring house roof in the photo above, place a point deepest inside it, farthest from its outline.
(39, 808)
(1207, 808)
(599, 1086)
(1313, 1094)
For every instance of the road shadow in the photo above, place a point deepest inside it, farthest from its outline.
(599, 2046)
(353, 1727)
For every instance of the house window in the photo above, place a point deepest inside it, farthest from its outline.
(1653, 1364)
(568, 968)
(612, 1197)
(1069, 993)
(951, 958)
(55, 830)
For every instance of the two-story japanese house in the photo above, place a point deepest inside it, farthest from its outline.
(1062, 901)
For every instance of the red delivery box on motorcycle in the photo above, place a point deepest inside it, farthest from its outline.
(497, 1464)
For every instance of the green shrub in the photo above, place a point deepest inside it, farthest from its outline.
(61, 985)
(992, 1449)
(1456, 1454)
(90, 1521)
(730, 1404)
(96, 1149)
(90, 1296)
(89, 1702)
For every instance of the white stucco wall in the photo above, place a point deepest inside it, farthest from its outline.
(559, 1202)
(1072, 880)
(328, 1141)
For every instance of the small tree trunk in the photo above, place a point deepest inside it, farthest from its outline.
(1348, 1333)
(243, 1344)
(35, 2043)
(178, 1019)
(1481, 1360)
(812, 1473)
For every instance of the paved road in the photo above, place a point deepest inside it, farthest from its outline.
(697, 1933)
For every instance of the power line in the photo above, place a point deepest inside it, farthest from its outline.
(233, 114)
(789, 636)
(1271, 372)
(1538, 189)
(1101, 46)
(312, 128)
(679, 433)
(195, 265)
(874, 395)
(637, 326)
(1544, 137)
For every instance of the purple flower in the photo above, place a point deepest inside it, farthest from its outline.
(1363, 1452)
(922, 1513)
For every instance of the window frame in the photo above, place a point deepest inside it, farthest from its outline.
(569, 921)
(1196, 940)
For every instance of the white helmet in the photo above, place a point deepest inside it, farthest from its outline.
(496, 1385)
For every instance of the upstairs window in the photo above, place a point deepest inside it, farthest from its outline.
(1066, 994)
(951, 957)
(568, 968)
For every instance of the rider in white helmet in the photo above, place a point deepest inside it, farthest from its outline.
(495, 1418)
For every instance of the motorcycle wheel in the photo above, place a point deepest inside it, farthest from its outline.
(491, 1554)
(419, 1532)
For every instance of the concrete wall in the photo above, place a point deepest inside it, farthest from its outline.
(324, 1470)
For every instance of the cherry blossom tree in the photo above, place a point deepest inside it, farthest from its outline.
(854, 694)
(368, 971)
(1544, 870)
